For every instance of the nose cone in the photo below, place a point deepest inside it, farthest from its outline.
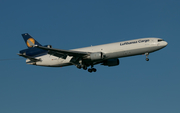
(165, 43)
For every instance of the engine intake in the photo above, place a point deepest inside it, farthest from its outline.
(111, 62)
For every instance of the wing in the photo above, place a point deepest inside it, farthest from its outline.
(31, 58)
(59, 52)
(63, 53)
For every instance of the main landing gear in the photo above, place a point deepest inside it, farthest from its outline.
(85, 68)
(81, 66)
(92, 70)
(147, 59)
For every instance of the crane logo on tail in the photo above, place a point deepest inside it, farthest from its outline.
(32, 40)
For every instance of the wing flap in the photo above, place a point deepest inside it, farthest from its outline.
(57, 54)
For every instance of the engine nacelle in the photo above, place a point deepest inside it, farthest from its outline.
(111, 62)
(96, 56)
(49, 46)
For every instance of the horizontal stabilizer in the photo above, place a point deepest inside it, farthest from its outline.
(30, 58)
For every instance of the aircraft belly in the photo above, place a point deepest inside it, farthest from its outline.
(49, 60)
(130, 51)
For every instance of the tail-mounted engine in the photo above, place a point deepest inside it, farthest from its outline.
(49, 46)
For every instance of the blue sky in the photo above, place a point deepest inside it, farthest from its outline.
(135, 86)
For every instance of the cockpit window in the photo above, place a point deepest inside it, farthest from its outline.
(159, 40)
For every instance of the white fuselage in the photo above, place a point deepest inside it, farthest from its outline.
(112, 50)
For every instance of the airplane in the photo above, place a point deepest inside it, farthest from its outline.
(106, 54)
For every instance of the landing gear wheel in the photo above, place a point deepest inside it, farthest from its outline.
(147, 59)
(85, 67)
(78, 66)
(90, 70)
(94, 70)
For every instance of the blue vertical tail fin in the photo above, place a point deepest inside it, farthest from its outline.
(28, 38)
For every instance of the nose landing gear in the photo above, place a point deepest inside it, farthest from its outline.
(147, 59)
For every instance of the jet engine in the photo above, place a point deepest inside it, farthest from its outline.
(96, 56)
(49, 46)
(111, 62)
